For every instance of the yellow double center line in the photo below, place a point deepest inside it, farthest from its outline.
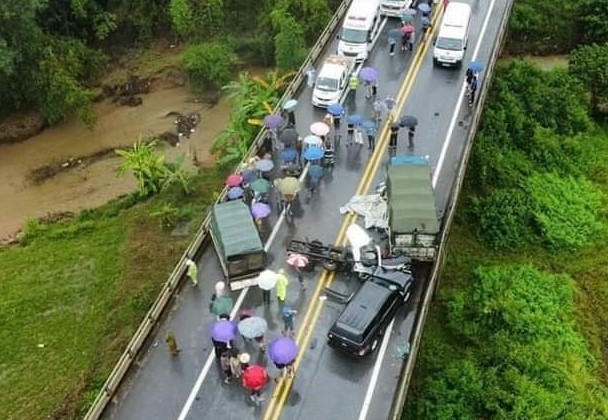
(309, 321)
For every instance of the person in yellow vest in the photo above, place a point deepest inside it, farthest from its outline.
(281, 286)
(192, 272)
(353, 85)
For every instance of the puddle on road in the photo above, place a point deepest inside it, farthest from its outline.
(93, 185)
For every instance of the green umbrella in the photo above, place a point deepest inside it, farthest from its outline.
(288, 186)
(222, 305)
(407, 18)
(260, 186)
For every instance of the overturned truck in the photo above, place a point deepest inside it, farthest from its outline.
(413, 223)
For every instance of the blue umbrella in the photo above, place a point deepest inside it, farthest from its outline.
(273, 121)
(248, 176)
(235, 192)
(315, 171)
(223, 331)
(475, 66)
(253, 327)
(368, 125)
(264, 165)
(368, 74)
(283, 350)
(354, 119)
(313, 153)
(290, 105)
(424, 7)
(336, 109)
(288, 155)
(389, 103)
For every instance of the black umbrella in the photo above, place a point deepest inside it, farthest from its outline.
(408, 121)
(288, 136)
(395, 126)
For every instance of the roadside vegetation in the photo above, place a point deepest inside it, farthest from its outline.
(76, 286)
(519, 325)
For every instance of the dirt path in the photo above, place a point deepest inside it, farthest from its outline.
(95, 184)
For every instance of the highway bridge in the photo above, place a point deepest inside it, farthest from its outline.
(327, 385)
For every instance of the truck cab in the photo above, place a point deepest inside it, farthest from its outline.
(332, 80)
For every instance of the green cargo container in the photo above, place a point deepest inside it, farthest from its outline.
(413, 223)
(237, 243)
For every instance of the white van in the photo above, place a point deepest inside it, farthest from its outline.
(332, 80)
(360, 27)
(394, 8)
(451, 42)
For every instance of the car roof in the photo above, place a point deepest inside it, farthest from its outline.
(331, 70)
(362, 310)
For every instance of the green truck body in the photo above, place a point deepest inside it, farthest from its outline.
(237, 243)
(414, 227)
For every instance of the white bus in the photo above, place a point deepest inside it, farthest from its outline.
(360, 27)
(451, 43)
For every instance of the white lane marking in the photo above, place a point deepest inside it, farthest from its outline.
(448, 137)
(376, 372)
(237, 305)
(382, 352)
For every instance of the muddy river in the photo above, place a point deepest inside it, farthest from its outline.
(95, 184)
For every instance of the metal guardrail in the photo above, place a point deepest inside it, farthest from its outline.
(407, 370)
(126, 360)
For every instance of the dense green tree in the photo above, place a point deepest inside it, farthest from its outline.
(290, 45)
(208, 65)
(590, 64)
(593, 21)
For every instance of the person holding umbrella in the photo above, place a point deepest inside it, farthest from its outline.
(267, 279)
(254, 379)
(222, 334)
(283, 352)
(298, 262)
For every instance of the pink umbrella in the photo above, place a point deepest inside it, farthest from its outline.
(297, 260)
(234, 180)
(408, 29)
(319, 129)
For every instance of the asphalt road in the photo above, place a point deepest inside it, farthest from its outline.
(328, 385)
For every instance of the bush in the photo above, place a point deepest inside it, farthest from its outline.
(520, 357)
(208, 65)
(566, 210)
(590, 65)
(504, 219)
(290, 45)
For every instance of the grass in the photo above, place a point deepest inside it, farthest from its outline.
(73, 295)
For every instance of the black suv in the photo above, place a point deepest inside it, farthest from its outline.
(360, 326)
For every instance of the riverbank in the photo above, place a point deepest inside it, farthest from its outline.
(93, 183)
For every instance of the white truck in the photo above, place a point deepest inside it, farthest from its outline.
(332, 80)
(359, 29)
(394, 8)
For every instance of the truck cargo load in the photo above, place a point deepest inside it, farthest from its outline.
(237, 243)
(414, 226)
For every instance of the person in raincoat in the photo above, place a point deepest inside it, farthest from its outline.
(192, 271)
(218, 291)
(353, 85)
(281, 286)
(288, 318)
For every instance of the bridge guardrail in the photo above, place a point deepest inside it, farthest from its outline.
(408, 367)
(125, 362)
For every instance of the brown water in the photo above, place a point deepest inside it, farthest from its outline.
(95, 184)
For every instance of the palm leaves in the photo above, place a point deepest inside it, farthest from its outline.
(252, 99)
(150, 169)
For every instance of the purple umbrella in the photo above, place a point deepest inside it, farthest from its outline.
(368, 74)
(273, 121)
(260, 210)
(264, 165)
(223, 331)
(283, 350)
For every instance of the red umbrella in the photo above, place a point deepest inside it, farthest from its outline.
(255, 377)
(234, 180)
(408, 29)
(297, 260)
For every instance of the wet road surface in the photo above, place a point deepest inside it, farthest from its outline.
(328, 385)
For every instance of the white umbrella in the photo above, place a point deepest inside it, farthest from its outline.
(319, 129)
(267, 280)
